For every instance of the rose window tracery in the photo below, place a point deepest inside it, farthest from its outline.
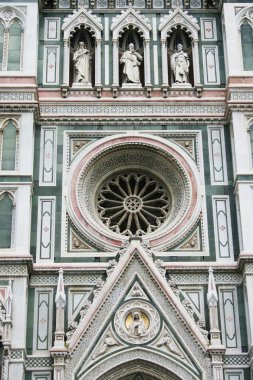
(133, 204)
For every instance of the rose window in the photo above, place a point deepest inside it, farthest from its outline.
(133, 204)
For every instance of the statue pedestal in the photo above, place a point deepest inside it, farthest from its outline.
(181, 85)
(82, 86)
(131, 86)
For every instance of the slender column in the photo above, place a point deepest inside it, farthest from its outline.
(59, 351)
(164, 63)
(195, 46)
(22, 50)
(115, 62)
(5, 49)
(98, 64)
(7, 332)
(66, 58)
(216, 349)
(147, 63)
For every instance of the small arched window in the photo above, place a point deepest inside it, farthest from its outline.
(9, 146)
(12, 24)
(6, 216)
(14, 53)
(247, 46)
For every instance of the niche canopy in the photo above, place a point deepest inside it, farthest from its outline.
(140, 186)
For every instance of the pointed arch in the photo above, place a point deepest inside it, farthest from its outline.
(169, 23)
(137, 364)
(13, 20)
(82, 19)
(140, 24)
(9, 141)
(244, 22)
(7, 207)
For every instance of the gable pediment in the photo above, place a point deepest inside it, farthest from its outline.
(82, 17)
(136, 285)
(130, 17)
(169, 22)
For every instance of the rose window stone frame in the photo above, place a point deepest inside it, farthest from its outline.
(109, 156)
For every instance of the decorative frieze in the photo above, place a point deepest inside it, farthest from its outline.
(202, 279)
(38, 362)
(16, 96)
(236, 360)
(112, 110)
(77, 279)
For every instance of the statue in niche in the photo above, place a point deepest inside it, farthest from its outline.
(82, 64)
(180, 65)
(137, 326)
(132, 62)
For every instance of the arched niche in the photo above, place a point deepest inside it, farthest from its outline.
(9, 138)
(7, 207)
(244, 20)
(131, 36)
(179, 25)
(82, 35)
(12, 50)
(131, 25)
(179, 36)
(81, 26)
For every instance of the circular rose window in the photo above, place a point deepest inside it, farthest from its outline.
(133, 204)
(124, 186)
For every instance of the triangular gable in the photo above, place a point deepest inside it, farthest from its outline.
(82, 17)
(178, 17)
(130, 17)
(135, 261)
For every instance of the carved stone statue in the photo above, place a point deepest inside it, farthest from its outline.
(132, 62)
(180, 65)
(82, 60)
(137, 326)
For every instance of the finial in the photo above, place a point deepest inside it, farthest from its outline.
(60, 298)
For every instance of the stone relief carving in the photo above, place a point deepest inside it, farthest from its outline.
(106, 344)
(98, 287)
(132, 62)
(137, 322)
(166, 341)
(111, 265)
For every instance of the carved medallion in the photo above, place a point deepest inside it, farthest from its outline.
(137, 322)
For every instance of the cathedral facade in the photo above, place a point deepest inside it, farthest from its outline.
(126, 190)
